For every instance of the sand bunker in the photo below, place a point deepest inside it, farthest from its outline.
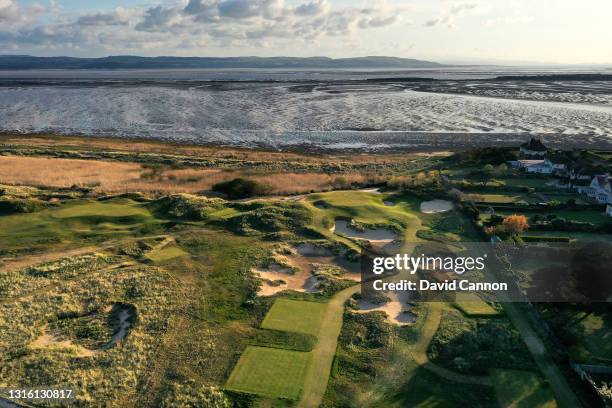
(312, 250)
(124, 326)
(397, 309)
(378, 236)
(49, 340)
(298, 267)
(436, 206)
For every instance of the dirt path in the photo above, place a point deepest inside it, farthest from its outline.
(323, 354)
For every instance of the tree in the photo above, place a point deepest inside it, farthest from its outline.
(487, 173)
(515, 224)
(501, 170)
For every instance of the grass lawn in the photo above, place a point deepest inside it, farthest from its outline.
(79, 221)
(165, 254)
(578, 236)
(295, 316)
(593, 338)
(270, 372)
(472, 305)
(501, 198)
(592, 216)
(370, 208)
(532, 182)
(366, 208)
(422, 388)
(521, 389)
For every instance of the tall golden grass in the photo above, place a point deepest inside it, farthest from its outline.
(117, 177)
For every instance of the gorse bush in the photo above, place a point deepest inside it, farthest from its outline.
(241, 188)
(189, 207)
(271, 219)
(10, 205)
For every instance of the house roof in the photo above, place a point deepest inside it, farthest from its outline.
(531, 163)
(535, 145)
(602, 181)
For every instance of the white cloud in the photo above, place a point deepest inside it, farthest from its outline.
(13, 15)
(450, 14)
(180, 23)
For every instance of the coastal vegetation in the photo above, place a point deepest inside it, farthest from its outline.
(153, 296)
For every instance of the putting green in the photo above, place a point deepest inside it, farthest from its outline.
(270, 372)
(295, 316)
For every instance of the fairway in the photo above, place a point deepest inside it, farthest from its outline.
(521, 389)
(114, 208)
(295, 316)
(472, 305)
(76, 221)
(166, 254)
(269, 372)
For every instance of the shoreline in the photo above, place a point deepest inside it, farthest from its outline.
(399, 142)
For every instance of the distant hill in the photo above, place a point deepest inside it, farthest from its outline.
(17, 62)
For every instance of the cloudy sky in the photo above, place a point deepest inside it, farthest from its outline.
(519, 31)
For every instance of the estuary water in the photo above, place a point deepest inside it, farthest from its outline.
(368, 110)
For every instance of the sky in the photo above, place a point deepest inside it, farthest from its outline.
(471, 31)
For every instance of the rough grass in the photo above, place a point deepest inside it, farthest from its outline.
(270, 372)
(117, 177)
(295, 316)
(521, 389)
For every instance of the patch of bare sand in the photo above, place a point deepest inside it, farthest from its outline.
(377, 236)
(436, 206)
(397, 308)
(50, 341)
(296, 267)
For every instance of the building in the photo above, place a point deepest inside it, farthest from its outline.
(543, 166)
(533, 148)
(600, 189)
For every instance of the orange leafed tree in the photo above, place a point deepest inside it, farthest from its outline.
(516, 224)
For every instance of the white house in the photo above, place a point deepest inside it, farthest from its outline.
(599, 190)
(543, 166)
(533, 148)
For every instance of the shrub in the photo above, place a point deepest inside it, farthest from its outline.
(241, 188)
(189, 207)
(546, 239)
(17, 205)
(516, 224)
(272, 219)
